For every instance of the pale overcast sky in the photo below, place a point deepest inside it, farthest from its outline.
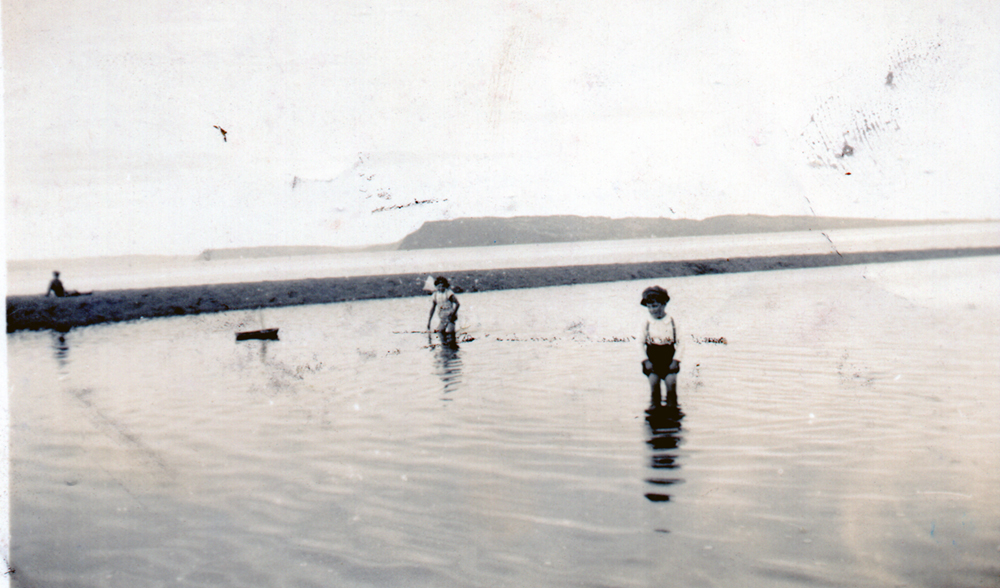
(353, 122)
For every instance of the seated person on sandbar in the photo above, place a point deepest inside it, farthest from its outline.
(661, 346)
(56, 287)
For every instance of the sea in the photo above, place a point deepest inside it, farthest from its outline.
(837, 427)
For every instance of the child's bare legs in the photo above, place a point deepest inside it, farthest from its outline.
(654, 390)
(447, 330)
(670, 381)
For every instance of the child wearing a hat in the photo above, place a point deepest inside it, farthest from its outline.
(662, 347)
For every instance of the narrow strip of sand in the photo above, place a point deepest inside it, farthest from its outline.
(40, 312)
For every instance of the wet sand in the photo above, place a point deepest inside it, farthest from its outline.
(35, 312)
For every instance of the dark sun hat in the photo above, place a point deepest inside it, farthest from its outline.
(654, 293)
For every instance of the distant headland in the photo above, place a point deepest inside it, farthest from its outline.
(523, 230)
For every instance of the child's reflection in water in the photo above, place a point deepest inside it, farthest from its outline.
(664, 439)
(448, 362)
(60, 349)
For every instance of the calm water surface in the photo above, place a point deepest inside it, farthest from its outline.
(839, 428)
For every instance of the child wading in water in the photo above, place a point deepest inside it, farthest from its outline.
(662, 347)
(443, 299)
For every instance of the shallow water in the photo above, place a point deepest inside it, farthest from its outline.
(839, 428)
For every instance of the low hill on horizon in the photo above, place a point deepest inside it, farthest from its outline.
(521, 230)
(518, 230)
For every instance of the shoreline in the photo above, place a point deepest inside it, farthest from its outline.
(38, 312)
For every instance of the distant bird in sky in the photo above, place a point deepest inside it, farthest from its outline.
(223, 131)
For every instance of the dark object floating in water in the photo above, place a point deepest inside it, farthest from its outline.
(658, 497)
(263, 334)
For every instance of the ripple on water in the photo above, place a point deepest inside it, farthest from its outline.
(830, 438)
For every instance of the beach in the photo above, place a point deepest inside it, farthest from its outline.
(197, 289)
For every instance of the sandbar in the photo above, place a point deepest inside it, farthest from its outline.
(35, 312)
